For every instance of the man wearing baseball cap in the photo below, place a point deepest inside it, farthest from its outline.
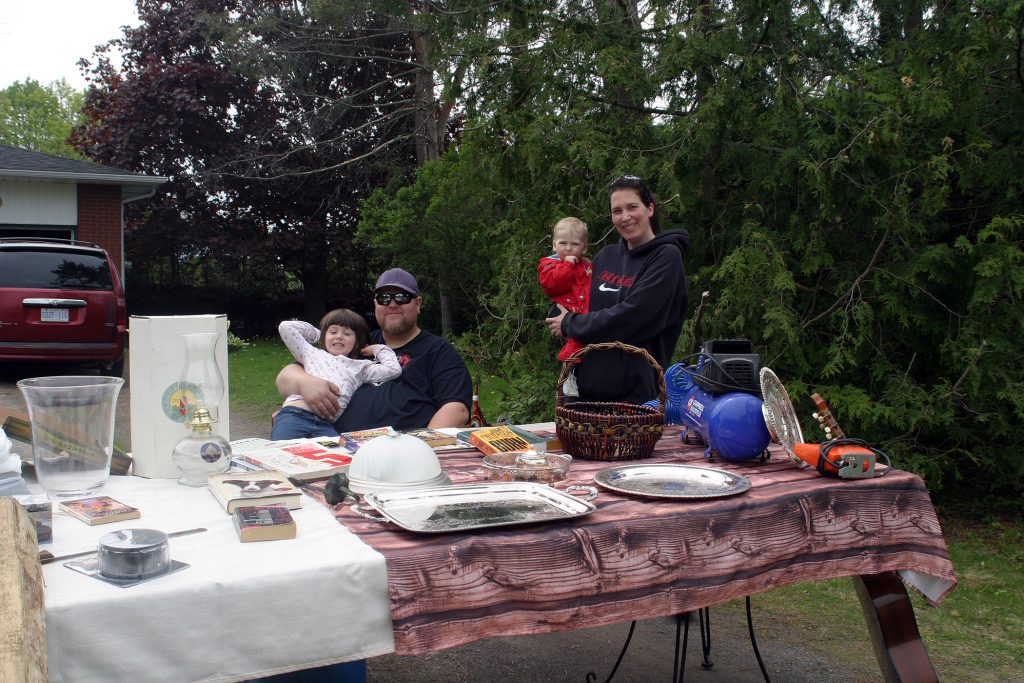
(434, 389)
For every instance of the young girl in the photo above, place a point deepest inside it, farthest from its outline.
(342, 341)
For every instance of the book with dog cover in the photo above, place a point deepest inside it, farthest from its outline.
(263, 523)
(236, 489)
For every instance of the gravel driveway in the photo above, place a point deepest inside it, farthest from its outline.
(570, 655)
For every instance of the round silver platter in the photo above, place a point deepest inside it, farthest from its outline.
(672, 481)
(779, 416)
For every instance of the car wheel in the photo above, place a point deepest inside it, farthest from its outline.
(114, 369)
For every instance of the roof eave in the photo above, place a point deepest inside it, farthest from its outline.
(106, 178)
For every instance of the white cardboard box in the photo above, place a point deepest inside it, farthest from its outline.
(156, 363)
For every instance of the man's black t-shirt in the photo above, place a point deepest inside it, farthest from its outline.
(433, 374)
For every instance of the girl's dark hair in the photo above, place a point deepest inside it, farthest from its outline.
(350, 319)
(635, 183)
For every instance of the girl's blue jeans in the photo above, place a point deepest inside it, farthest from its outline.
(297, 423)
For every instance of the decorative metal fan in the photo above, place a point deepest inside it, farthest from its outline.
(779, 415)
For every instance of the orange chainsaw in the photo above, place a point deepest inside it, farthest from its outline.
(839, 456)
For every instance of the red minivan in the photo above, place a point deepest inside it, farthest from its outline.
(61, 300)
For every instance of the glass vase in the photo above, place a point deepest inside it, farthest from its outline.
(72, 422)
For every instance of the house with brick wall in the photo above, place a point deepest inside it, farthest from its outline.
(42, 195)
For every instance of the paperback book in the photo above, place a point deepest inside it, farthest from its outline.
(432, 437)
(99, 510)
(507, 438)
(352, 440)
(301, 459)
(263, 523)
(236, 489)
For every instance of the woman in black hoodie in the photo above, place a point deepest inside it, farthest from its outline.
(637, 296)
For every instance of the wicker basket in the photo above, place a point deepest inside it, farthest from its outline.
(595, 430)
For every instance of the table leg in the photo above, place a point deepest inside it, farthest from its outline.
(890, 615)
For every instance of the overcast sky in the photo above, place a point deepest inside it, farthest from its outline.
(44, 39)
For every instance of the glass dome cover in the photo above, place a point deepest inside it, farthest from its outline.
(395, 461)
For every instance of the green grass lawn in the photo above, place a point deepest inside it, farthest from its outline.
(252, 371)
(976, 634)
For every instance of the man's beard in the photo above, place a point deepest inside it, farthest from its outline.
(396, 326)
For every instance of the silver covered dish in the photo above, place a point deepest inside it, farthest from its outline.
(478, 506)
(672, 481)
(543, 468)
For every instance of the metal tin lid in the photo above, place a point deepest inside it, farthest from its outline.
(133, 541)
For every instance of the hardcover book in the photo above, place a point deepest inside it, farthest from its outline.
(542, 440)
(302, 459)
(99, 510)
(263, 523)
(236, 489)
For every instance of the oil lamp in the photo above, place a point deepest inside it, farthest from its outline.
(201, 452)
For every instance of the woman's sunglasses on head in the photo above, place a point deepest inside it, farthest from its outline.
(400, 298)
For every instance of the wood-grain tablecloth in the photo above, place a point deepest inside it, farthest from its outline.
(638, 558)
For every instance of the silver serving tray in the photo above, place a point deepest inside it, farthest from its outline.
(478, 506)
(672, 481)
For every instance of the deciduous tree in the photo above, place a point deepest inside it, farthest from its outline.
(40, 118)
(266, 174)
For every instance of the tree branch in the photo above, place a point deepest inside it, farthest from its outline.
(853, 286)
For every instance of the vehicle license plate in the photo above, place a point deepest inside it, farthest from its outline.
(53, 315)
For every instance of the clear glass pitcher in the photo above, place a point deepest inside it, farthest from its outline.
(72, 422)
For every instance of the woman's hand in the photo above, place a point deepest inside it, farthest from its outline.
(555, 324)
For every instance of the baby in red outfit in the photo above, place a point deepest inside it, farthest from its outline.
(565, 274)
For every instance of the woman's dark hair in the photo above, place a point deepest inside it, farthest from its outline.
(350, 319)
(635, 183)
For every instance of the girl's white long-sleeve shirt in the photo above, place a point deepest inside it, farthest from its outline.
(347, 373)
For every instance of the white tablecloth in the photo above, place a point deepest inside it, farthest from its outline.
(238, 611)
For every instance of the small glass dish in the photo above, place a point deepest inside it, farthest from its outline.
(529, 465)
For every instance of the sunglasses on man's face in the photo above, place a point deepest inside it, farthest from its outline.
(400, 298)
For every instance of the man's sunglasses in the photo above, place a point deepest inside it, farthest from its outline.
(400, 298)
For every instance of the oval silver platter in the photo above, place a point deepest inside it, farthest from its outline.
(672, 481)
(476, 506)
